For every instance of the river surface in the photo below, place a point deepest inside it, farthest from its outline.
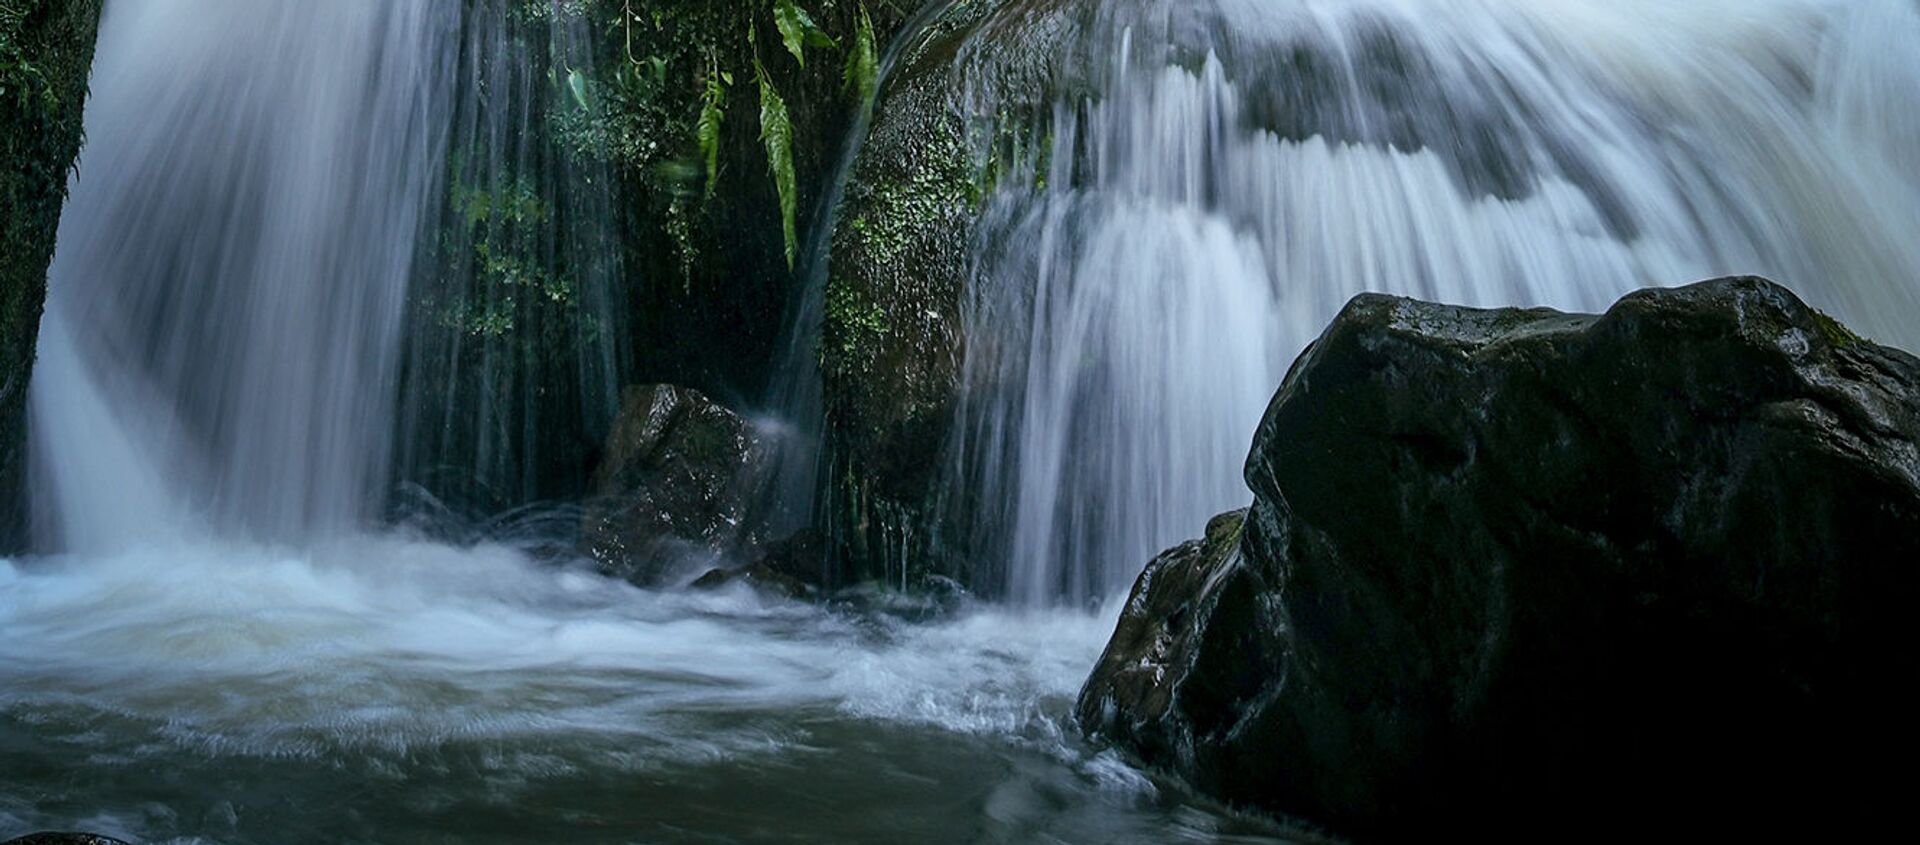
(399, 690)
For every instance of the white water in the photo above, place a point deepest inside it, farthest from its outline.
(1248, 166)
(383, 645)
(396, 690)
(216, 385)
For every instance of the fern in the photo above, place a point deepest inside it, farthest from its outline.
(713, 104)
(863, 69)
(798, 31)
(776, 131)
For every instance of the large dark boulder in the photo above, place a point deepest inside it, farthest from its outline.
(46, 53)
(1522, 572)
(678, 488)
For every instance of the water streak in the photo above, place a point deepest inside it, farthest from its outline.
(223, 322)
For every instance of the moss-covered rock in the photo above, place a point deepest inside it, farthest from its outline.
(46, 52)
(1649, 570)
(893, 339)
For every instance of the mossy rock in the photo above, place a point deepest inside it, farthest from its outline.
(46, 53)
(893, 339)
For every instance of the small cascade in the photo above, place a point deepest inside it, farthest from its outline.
(516, 335)
(794, 485)
(1243, 168)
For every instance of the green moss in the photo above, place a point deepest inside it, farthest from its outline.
(897, 213)
(1837, 334)
(858, 322)
(1224, 531)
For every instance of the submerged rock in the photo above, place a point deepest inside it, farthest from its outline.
(794, 567)
(759, 576)
(677, 487)
(1512, 568)
(63, 839)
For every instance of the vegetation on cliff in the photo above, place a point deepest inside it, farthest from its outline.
(46, 52)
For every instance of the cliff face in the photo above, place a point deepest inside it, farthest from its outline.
(46, 52)
(1514, 568)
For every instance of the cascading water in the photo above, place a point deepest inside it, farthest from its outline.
(223, 327)
(1245, 167)
(222, 648)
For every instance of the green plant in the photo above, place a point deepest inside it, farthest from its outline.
(798, 31)
(863, 66)
(776, 131)
(713, 112)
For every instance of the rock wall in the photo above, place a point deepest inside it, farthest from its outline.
(46, 52)
(1513, 571)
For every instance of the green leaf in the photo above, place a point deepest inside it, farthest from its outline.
(776, 131)
(712, 112)
(863, 68)
(798, 31)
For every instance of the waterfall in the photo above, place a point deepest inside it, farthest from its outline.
(1241, 168)
(224, 319)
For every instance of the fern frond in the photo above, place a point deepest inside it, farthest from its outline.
(776, 132)
(863, 66)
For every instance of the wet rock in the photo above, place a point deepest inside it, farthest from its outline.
(794, 567)
(760, 577)
(677, 488)
(892, 338)
(1512, 571)
(63, 839)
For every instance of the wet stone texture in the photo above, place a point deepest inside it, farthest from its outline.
(678, 488)
(1515, 572)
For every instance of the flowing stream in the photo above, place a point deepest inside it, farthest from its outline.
(221, 644)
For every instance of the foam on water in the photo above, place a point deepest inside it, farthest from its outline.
(389, 642)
